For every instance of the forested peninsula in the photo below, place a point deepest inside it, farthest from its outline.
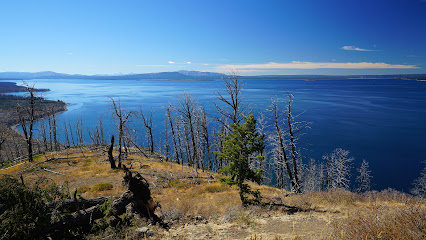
(10, 105)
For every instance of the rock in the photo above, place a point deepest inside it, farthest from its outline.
(130, 209)
(144, 232)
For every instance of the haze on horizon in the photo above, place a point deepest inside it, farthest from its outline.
(330, 37)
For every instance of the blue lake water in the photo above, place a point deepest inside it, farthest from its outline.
(380, 120)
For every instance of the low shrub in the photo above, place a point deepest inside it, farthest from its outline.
(83, 189)
(379, 221)
(176, 183)
(216, 188)
(99, 187)
(23, 213)
(23, 210)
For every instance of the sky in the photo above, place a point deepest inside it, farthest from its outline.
(250, 37)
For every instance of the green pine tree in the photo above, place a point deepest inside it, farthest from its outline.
(239, 145)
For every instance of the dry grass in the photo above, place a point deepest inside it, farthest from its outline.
(381, 221)
(201, 208)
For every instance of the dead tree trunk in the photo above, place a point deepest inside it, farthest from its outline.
(205, 134)
(123, 117)
(137, 197)
(293, 144)
(172, 129)
(147, 121)
(54, 130)
(101, 131)
(281, 145)
(27, 115)
(187, 111)
(110, 157)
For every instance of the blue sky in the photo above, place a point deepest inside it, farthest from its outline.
(250, 37)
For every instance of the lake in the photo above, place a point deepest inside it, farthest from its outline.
(380, 120)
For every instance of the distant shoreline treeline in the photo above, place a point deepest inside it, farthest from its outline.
(11, 87)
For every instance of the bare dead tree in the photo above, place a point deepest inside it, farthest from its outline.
(43, 134)
(67, 138)
(322, 176)
(339, 167)
(312, 178)
(166, 139)
(123, 118)
(101, 130)
(187, 108)
(132, 141)
(26, 114)
(180, 145)
(110, 156)
(49, 119)
(3, 137)
(364, 177)
(281, 154)
(71, 133)
(293, 129)
(261, 129)
(198, 140)
(286, 139)
(94, 135)
(205, 135)
(79, 131)
(54, 128)
(216, 140)
(187, 144)
(221, 130)
(67, 135)
(169, 118)
(97, 133)
(233, 108)
(147, 122)
(419, 184)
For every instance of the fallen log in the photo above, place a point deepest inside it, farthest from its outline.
(80, 219)
(72, 205)
(48, 170)
(137, 197)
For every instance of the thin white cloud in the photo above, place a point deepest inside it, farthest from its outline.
(313, 65)
(353, 48)
(152, 65)
(69, 53)
(178, 63)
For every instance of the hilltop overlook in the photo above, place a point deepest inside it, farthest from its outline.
(196, 206)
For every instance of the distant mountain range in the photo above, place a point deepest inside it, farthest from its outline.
(180, 75)
(186, 75)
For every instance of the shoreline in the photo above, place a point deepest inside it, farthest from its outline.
(14, 128)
